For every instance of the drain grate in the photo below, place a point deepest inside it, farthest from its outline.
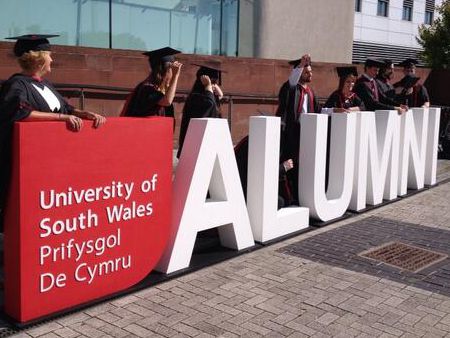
(404, 256)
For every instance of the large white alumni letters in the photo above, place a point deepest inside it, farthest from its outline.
(206, 164)
(262, 184)
(313, 150)
(373, 156)
(376, 158)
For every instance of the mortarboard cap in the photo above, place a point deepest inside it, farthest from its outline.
(161, 55)
(345, 71)
(211, 68)
(409, 81)
(371, 62)
(408, 63)
(31, 42)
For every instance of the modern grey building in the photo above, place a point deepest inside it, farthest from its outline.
(338, 31)
(389, 27)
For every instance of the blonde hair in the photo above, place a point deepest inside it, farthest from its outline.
(32, 61)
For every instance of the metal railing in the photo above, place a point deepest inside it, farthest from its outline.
(84, 92)
(100, 92)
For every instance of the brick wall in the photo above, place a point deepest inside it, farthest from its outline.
(124, 68)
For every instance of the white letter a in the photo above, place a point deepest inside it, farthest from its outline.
(206, 163)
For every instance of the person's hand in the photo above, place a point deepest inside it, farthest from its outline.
(409, 91)
(400, 110)
(205, 80)
(97, 118)
(176, 67)
(305, 60)
(217, 91)
(405, 107)
(288, 165)
(75, 123)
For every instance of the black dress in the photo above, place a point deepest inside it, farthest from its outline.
(198, 104)
(144, 101)
(19, 96)
(337, 100)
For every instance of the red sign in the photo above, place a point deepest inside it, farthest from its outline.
(88, 214)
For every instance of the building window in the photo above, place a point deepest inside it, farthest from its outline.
(79, 23)
(429, 11)
(407, 10)
(383, 8)
(358, 5)
(429, 17)
(194, 26)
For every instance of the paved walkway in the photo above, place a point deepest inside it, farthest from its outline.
(270, 292)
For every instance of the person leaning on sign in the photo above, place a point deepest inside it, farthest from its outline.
(27, 96)
(204, 98)
(408, 90)
(295, 98)
(154, 96)
(366, 88)
(344, 100)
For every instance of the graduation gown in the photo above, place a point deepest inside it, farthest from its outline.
(198, 104)
(337, 100)
(372, 98)
(144, 101)
(290, 102)
(386, 88)
(284, 191)
(417, 98)
(18, 98)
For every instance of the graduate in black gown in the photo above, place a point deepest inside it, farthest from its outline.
(344, 100)
(27, 96)
(408, 90)
(295, 98)
(367, 89)
(154, 96)
(384, 78)
(204, 98)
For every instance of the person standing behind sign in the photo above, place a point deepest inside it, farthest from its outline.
(384, 78)
(295, 98)
(408, 90)
(154, 96)
(366, 88)
(344, 100)
(27, 96)
(204, 98)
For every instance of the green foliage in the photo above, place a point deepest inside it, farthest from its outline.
(435, 39)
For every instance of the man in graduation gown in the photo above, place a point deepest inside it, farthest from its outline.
(367, 89)
(295, 98)
(384, 78)
(408, 90)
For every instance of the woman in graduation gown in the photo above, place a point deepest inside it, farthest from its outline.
(344, 99)
(154, 96)
(27, 96)
(204, 98)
